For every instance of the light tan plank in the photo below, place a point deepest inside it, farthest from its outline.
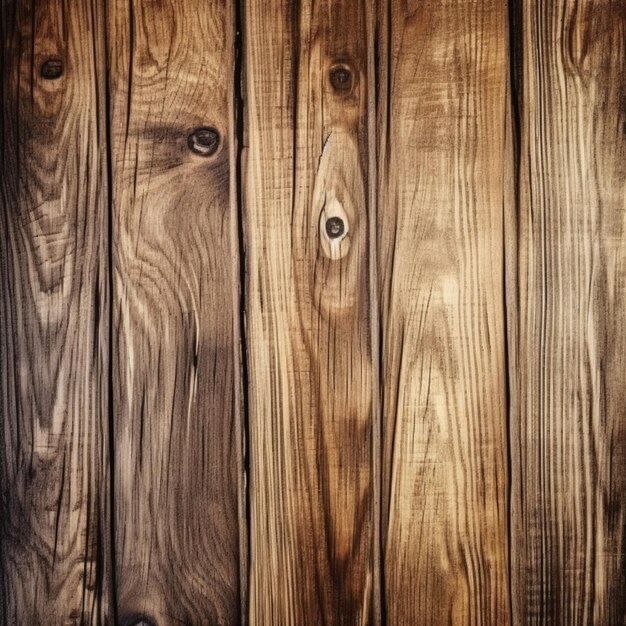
(306, 166)
(568, 328)
(442, 161)
(53, 303)
(176, 379)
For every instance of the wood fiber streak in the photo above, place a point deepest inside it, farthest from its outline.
(53, 295)
(306, 160)
(443, 77)
(568, 323)
(176, 361)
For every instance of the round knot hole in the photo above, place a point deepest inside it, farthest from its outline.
(341, 77)
(51, 69)
(335, 227)
(204, 141)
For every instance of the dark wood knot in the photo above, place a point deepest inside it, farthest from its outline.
(204, 141)
(139, 620)
(341, 77)
(335, 227)
(51, 69)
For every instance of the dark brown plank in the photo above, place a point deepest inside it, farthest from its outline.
(567, 298)
(178, 469)
(307, 177)
(443, 77)
(53, 302)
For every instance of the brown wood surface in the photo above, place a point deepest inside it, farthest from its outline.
(567, 301)
(53, 303)
(175, 323)
(311, 388)
(382, 244)
(442, 158)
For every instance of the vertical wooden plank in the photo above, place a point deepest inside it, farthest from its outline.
(569, 326)
(53, 302)
(442, 162)
(308, 82)
(176, 365)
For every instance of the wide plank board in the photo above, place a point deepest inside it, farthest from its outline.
(567, 295)
(312, 392)
(54, 477)
(178, 466)
(443, 76)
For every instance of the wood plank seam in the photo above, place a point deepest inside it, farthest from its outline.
(238, 109)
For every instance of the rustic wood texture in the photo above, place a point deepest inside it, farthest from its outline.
(442, 119)
(53, 336)
(175, 320)
(567, 299)
(311, 391)
(382, 243)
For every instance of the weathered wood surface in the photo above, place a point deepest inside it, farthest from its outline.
(567, 300)
(53, 302)
(311, 390)
(424, 234)
(442, 158)
(175, 321)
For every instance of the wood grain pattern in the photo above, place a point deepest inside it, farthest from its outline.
(176, 358)
(306, 165)
(406, 292)
(443, 106)
(568, 315)
(53, 337)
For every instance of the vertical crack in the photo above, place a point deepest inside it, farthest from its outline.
(381, 110)
(240, 287)
(511, 230)
(111, 320)
(375, 61)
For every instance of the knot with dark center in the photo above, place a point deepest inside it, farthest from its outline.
(204, 141)
(335, 227)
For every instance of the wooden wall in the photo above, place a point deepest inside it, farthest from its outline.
(312, 312)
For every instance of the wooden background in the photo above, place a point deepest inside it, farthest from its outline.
(313, 312)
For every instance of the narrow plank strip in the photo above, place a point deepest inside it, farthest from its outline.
(307, 215)
(442, 161)
(53, 303)
(569, 335)
(176, 367)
